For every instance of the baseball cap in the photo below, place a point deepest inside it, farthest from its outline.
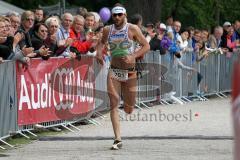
(118, 9)
(162, 26)
(226, 24)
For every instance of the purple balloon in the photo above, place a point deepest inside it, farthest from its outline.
(105, 14)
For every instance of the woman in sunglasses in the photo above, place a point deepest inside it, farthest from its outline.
(38, 40)
(122, 75)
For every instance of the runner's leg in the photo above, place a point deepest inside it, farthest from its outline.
(129, 92)
(114, 87)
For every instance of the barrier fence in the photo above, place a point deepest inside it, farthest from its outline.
(8, 100)
(60, 91)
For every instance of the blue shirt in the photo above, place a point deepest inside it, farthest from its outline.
(63, 34)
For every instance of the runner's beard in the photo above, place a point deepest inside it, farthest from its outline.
(119, 23)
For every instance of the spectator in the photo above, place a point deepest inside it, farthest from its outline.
(236, 35)
(38, 40)
(176, 28)
(137, 20)
(183, 42)
(96, 20)
(51, 42)
(15, 20)
(226, 29)
(200, 51)
(175, 48)
(155, 42)
(39, 36)
(215, 39)
(82, 12)
(5, 41)
(169, 23)
(89, 22)
(63, 34)
(196, 37)
(9, 28)
(230, 43)
(27, 22)
(150, 31)
(38, 14)
(190, 30)
(205, 36)
(75, 34)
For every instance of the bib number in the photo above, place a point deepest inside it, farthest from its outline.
(119, 74)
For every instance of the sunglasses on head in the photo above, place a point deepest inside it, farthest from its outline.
(117, 14)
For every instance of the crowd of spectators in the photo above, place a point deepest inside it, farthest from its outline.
(33, 34)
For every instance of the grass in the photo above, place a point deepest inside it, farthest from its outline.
(18, 140)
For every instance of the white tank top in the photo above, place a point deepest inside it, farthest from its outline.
(119, 42)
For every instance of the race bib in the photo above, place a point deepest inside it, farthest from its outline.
(119, 74)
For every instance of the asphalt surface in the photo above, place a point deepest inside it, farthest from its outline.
(193, 131)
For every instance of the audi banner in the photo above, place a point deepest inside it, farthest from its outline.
(56, 89)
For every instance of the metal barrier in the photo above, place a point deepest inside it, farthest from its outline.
(8, 100)
(188, 79)
(225, 71)
(211, 76)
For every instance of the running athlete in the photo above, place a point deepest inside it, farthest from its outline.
(122, 78)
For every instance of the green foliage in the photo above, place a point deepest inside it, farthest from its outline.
(32, 4)
(202, 13)
(197, 13)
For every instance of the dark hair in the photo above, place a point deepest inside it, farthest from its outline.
(197, 31)
(37, 9)
(170, 16)
(118, 5)
(177, 54)
(183, 30)
(37, 26)
(89, 14)
(135, 18)
(82, 11)
(190, 28)
(150, 24)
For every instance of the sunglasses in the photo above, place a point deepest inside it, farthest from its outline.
(44, 31)
(29, 19)
(117, 14)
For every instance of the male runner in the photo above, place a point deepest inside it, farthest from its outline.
(122, 78)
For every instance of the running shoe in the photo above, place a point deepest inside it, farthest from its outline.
(116, 145)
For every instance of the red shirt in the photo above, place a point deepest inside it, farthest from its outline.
(82, 47)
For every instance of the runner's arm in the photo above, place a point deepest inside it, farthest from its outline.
(139, 37)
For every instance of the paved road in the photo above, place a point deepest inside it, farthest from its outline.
(195, 131)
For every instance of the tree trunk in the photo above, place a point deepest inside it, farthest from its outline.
(217, 12)
(149, 9)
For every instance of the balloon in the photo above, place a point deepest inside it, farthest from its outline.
(105, 14)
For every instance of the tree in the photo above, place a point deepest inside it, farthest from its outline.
(151, 12)
(197, 13)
